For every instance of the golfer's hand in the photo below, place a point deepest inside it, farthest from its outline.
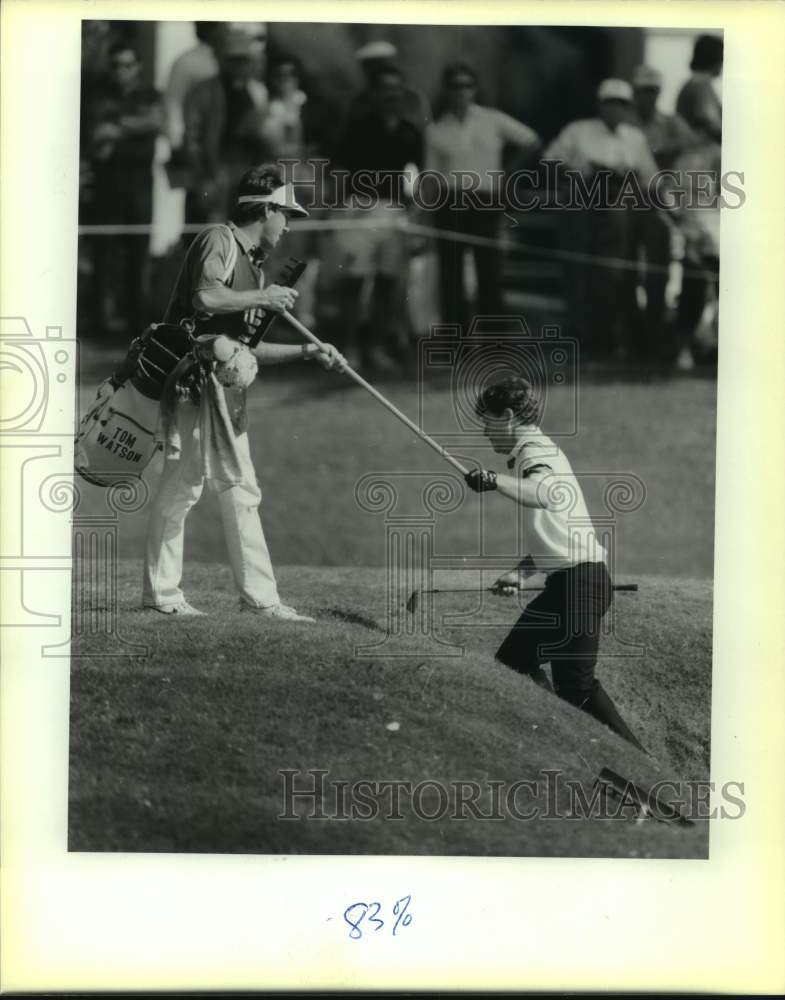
(481, 480)
(508, 583)
(276, 298)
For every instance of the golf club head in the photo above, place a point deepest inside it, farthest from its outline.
(411, 604)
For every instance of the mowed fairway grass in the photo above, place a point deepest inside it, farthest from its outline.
(181, 749)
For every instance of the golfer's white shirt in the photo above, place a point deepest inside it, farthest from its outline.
(563, 536)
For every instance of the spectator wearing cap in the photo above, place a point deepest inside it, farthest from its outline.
(121, 124)
(668, 136)
(698, 102)
(607, 148)
(469, 140)
(224, 120)
(372, 59)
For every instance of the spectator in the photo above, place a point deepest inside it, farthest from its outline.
(192, 67)
(373, 58)
(698, 102)
(290, 132)
(256, 33)
(376, 150)
(605, 148)
(698, 221)
(470, 139)
(668, 136)
(121, 128)
(224, 118)
(284, 126)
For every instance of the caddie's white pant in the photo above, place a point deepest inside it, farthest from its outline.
(180, 486)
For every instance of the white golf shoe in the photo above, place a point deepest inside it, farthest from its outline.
(280, 612)
(178, 610)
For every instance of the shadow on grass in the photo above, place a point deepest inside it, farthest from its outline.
(355, 618)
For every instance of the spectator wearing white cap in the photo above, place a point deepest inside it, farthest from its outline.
(373, 58)
(608, 147)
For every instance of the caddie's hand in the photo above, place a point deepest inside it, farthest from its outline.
(508, 583)
(276, 298)
(481, 480)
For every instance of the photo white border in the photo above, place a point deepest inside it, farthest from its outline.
(86, 922)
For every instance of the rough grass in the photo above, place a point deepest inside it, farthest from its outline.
(181, 750)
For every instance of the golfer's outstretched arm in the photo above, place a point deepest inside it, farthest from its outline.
(529, 491)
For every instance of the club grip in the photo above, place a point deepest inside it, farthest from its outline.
(625, 586)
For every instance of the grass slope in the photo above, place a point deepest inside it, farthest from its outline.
(180, 750)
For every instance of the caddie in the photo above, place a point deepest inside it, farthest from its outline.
(220, 288)
(562, 624)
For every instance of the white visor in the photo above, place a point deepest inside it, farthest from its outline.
(282, 197)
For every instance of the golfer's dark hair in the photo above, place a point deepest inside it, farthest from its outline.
(707, 54)
(513, 393)
(261, 180)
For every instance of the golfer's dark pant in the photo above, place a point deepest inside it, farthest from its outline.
(562, 626)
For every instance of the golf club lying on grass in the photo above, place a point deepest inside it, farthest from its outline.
(305, 332)
(411, 604)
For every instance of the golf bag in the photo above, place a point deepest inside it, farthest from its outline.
(116, 438)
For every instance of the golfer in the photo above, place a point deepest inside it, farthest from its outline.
(219, 287)
(562, 624)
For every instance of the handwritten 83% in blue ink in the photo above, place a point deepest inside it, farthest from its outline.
(365, 917)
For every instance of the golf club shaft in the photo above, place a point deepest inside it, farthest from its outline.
(305, 332)
(629, 587)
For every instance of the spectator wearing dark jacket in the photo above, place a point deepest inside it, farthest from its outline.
(224, 118)
(375, 151)
(122, 122)
(698, 102)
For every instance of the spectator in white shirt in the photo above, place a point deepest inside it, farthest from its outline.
(598, 221)
(464, 147)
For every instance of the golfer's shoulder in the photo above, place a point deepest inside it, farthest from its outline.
(537, 450)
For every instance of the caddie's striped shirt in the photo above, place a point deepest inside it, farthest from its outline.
(565, 535)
